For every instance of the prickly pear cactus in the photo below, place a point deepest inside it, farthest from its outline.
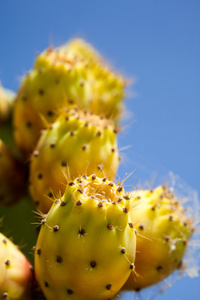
(61, 77)
(16, 272)
(77, 143)
(163, 234)
(12, 176)
(62, 132)
(86, 245)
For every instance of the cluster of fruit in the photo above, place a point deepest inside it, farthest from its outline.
(94, 239)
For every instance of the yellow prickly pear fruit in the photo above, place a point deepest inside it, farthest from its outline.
(71, 74)
(80, 49)
(16, 276)
(86, 245)
(76, 143)
(163, 234)
(107, 87)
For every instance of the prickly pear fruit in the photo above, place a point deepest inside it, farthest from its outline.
(107, 87)
(12, 176)
(76, 143)
(86, 245)
(163, 234)
(16, 276)
(72, 74)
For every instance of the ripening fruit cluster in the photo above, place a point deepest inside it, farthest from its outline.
(58, 143)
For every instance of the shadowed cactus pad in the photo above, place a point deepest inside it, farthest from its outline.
(6, 99)
(6, 108)
(12, 176)
(163, 234)
(72, 74)
(86, 245)
(16, 276)
(77, 143)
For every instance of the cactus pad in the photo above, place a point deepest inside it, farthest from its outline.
(12, 176)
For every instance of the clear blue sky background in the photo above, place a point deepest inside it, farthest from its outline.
(156, 42)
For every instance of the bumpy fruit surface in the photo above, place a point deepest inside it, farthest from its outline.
(107, 87)
(163, 235)
(16, 276)
(86, 245)
(71, 74)
(12, 176)
(77, 143)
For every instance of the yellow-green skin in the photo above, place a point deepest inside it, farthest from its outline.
(12, 176)
(107, 87)
(80, 49)
(77, 143)
(58, 79)
(163, 234)
(16, 276)
(86, 245)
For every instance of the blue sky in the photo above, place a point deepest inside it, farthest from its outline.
(155, 42)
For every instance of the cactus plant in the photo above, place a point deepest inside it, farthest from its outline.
(94, 238)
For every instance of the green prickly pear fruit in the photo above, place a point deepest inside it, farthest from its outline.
(76, 143)
(16, 272)
(12, 176)
(86, 245)
(163, 234)
(71, 74)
